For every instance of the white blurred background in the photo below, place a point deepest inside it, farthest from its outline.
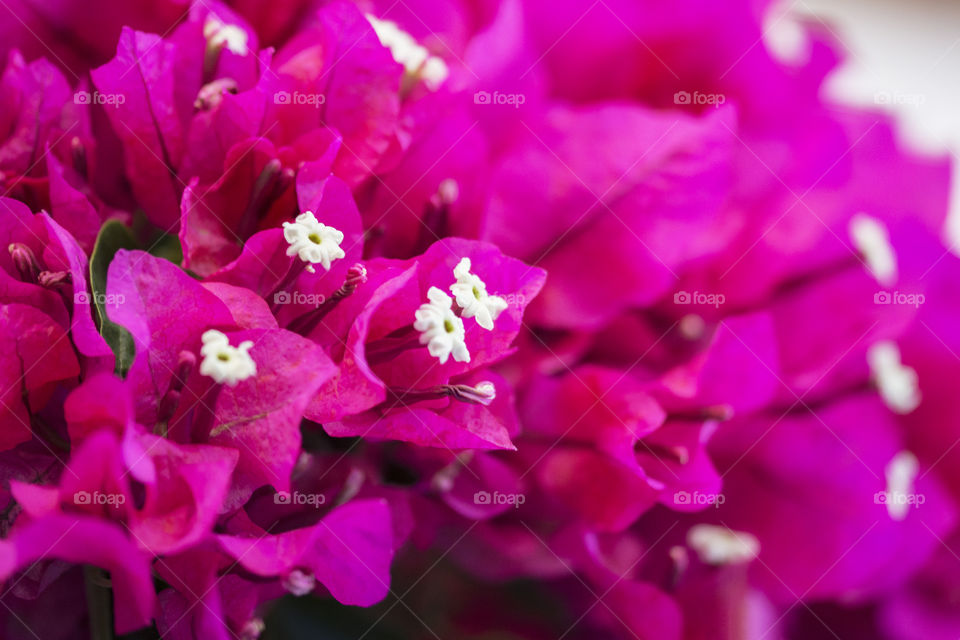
(903, 55)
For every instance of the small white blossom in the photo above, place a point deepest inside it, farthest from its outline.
(898, 384)
(472, 297)
(416, 60)
(434, 72)
(224, 363)
(299, 583)
(440, 328)
(900, 473)
(219, 34)
(313, 241)
(720, 545)
(873, 242)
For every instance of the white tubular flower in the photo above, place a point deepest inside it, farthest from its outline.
(313, 241)
(230, 36)
(873, 242)
(900, 473)
(897, 384)
(416, 60)
(720, 545)
(472, 297)
(226, 364)
(440, 329)
(434, 72)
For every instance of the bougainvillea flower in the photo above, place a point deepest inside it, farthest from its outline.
(202, 603)
(609, 427)
(45, 267)
(337, 55)
(34, 96)
(142, 82)
(265, 261)
(288, 369)
(348, 551)
(84, 539)
(30, 336)
(853, 510)
(388, 327)
(601, 205)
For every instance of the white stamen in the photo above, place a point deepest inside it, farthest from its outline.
(299, 583)
(219, 34)
(226, 364)
(900, 472)
(870, 237)
(896, 383)
(440, 329)
(416, 60)
(472, 297)
(720, 545)
(313, 241)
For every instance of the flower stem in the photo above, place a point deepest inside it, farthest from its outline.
(297, 267)
(99, 603)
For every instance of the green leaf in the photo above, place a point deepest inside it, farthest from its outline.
(155, 241)
(312, 618)
(167, 246)
(113, 236)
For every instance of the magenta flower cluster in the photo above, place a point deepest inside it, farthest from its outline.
(362, 299)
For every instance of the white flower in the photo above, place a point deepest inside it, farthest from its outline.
(299, 583)
(440, 329)
(219, 34)
(434, 72)
(472, 297)
(900, 473)
(313, 241)
(224, 363)
(898, 384)
(416, 60)
(720, 545)
(873, 242)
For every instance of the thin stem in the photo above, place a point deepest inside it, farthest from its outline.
(99, 603)
(297, 267)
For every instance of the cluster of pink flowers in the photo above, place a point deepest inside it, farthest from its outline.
(572, 320)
